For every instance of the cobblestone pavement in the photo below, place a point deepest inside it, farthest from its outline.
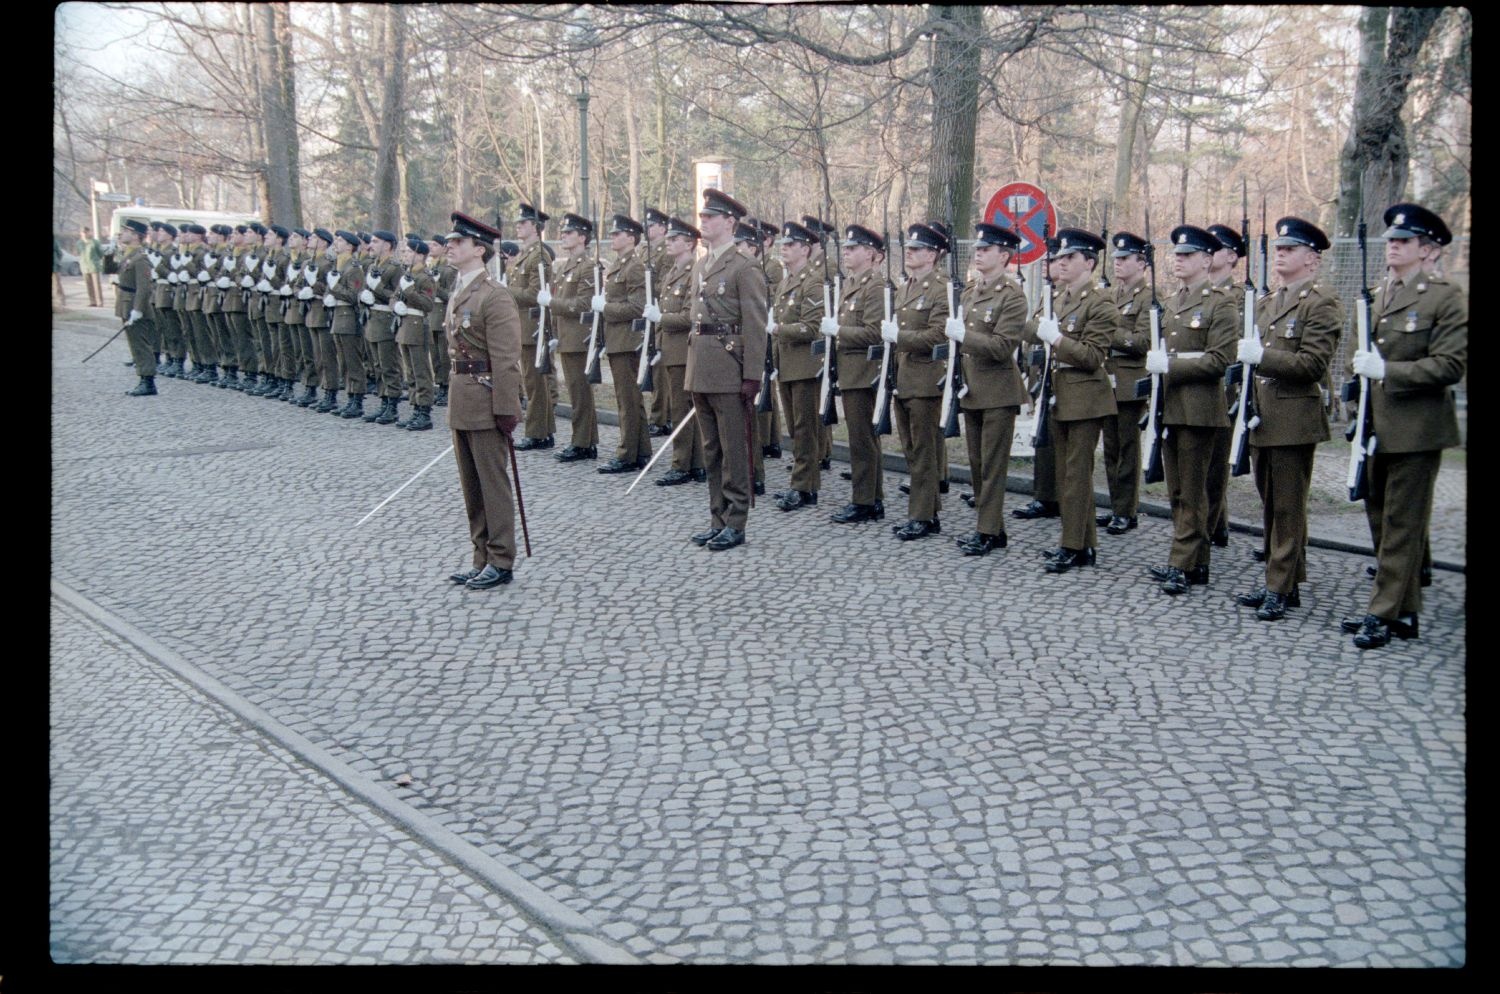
(179, 836)
(826, 746)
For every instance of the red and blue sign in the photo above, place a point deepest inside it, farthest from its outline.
(1024, 209)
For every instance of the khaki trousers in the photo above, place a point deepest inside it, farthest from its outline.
(1400, 510)
(989, 434)
(419, 368)
(1283, 476)
(96, 289)
(330, 377)
(1075, 442)
(541, 394)
(352, 359)
(1218, 480)
(918, 424)
(483, 457)
(1044, 471)
(660, 410)
(635, 437)
(387, 367)
(585, 431)
(1185, 456)
(171, 332)
(141, 337)
(439, 356)
(1122, 457)
(687, 447)
(799, 398)
(722, 427)
(866, 478)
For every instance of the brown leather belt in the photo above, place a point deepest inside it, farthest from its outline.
(471, 366)
(716, 329)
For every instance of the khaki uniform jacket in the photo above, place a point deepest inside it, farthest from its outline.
(729, 290)
(798, 306)
(775, 271)
(625, 298)
(1087, 319)
(345, 278)
(1299, 326)
(572, 291)
(193, 300)
(674, 297)
(315, 278)
(861, 309)
(921, 312)
(1132, 337)
(133, 288)
(212, 260)
(254, 300)
(161, 268)
(443, 276)
(381, 278)
(1422, 331)
(525, 281)
(482, 323)
(418, 291)
(295, 308)
(233, 267)
(273, 270)
(661, 264)
(1199, 330)
(994, 326)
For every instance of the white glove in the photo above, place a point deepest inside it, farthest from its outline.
(329, 300)
(1047, 330)
(263, 286)
(954, 329)
(202, 276)
(222, 282)
(652, 313)
(305, 293)
(1250, 350)
(173, 277)
(210, 260)
(247, 281)
(333, 280)
(1156, 361)
(135, 316)
(373, 281)
(399, 308)
(309, 276)
(828, 327)
(889, 330)
(406, 283)
(1369, 363)
(544, 298)
(597, 304)
(268, 270)
(285, 290)
(366, 297)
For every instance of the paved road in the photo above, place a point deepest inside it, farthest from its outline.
(827, 746)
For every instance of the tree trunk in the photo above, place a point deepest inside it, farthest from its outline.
(386, 207)
(278, 110)
(955, 108)
(1375, 160)
(633, 143)
(662, 200)
(1130, 117)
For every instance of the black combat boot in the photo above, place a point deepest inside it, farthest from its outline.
(145, 388)
(328, 403)
(421, 421)
(441, 399)
(390, 412)
(355, 408)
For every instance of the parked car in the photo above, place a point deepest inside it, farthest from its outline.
(70, 264)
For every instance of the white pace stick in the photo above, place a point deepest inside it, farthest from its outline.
(403, 486)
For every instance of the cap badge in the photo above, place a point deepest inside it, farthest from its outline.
(1182, 238)
(1400, 218)
(1284, 229)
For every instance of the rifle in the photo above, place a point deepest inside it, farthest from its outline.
(832, 289)
(596, 338)
(1155, 430)
(1104, 263)
(1246, 417)
(953, 376)
(1042, 434)
(1360, 433)
(885, 386)
(543, 363)
(768, 371)
(650, 356)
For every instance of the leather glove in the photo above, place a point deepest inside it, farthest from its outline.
(1156, 361)
(828, 327)
(1250, 350)
(748, 389)
(366, 297)
(135, 316)
(222, 282)
(399, 308)
(652, 313)
(263, 286)
(329, 300)
(305, 293)
(597, 304)
(1047, 330)
(1369, 363)
(506, 423)
(544, 298)
(202, 276)
(890, 330)
(245, 281)
(406, 283)
(373, 281)
(954, 329)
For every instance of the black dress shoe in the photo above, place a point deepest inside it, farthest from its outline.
(967, 499)
(465, 575)
(674, 477)
(1176, 582)
(488, 577)
(1057, 553)
(1258, 597)
(1102, 519)
(1401, 628)
(827, 464)
(917, 528)
(854, 513)
(793, 499)
(844, 474)
(534, 443)
(573, 453)
(1373, 633)
(1197, 576)
(942, 487)
(759, 488)
(1220, 538)
(1273, 608)
(1036, 509)
(1069, 559)
(728, 538)
(1119, 525)
(1426, 576)
(700, 476)
(619, 466)
(656, 431)
(772, 451)
(980, 544)
(702, 538)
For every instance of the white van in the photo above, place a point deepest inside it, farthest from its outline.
(175, 216)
